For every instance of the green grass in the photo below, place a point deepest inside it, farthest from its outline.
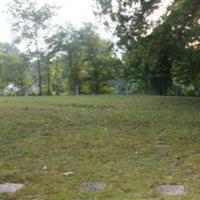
(132, 143)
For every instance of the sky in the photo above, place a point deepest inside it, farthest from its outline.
(73, 11)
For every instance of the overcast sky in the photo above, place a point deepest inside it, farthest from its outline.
(73, 11)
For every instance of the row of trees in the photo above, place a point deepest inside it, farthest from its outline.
(77, 61)
(161, 58)
(56, 61)
(90, 61)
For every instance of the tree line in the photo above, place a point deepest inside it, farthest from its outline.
(161, 57)
(78, 61)
(67, 60)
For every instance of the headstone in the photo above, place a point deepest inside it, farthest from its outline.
(10, 187)
(93, 186)
(171, 190)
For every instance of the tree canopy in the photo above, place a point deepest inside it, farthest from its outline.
(158, 57)
(29, 23)
(162, 56)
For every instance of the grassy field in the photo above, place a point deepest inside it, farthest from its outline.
(131, 143)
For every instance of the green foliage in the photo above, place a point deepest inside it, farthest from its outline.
(57, 83)
(170, 42)
(129, 16)
(89, 61)
(157, 56)
(186, 70)
(30, 23)
(101, 64)
(14, 68)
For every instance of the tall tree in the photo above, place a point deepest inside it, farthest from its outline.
(155, 54)
(171, 42)
(29, 23)
(101, 62)
(67, 41)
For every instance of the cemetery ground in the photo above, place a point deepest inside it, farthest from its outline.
(100, 147)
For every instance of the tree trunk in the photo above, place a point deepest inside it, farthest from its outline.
(48, 79)
(39, 77)
(38, 62)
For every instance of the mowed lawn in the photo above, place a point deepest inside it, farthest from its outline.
(133, 144)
